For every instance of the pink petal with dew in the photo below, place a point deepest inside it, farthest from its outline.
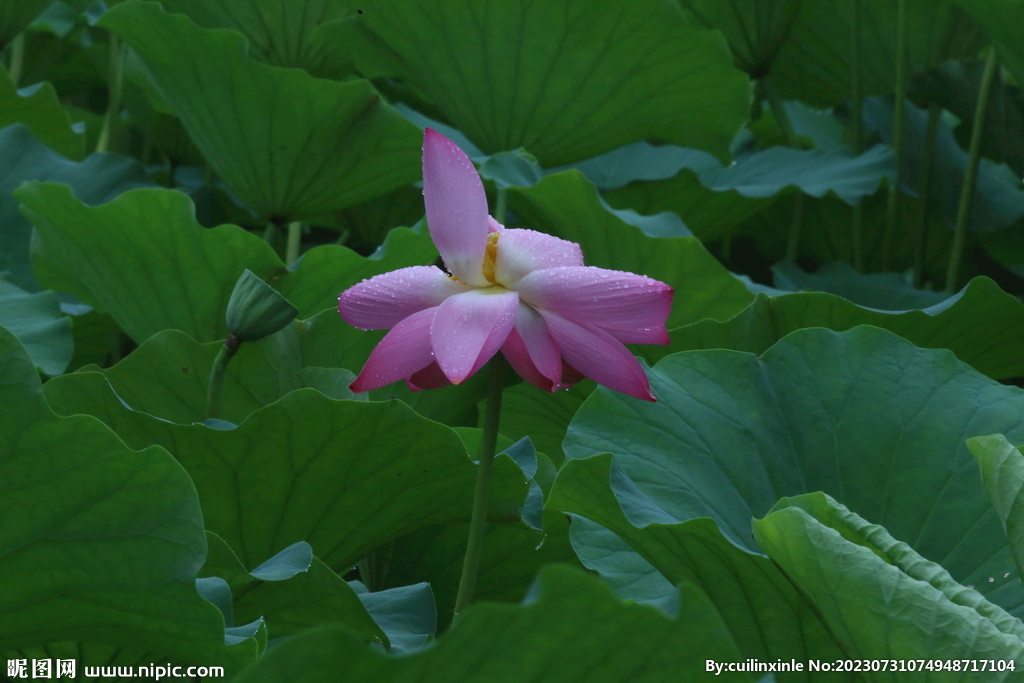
(518, 357)
(599, 356)
(385, 300)
(469, 328)
(633, 308)
(402, 352)
(493, 225)
(429, 377)
(539, 343)
(456, 207)
(523, 251)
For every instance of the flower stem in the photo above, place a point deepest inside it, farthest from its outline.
(482, 494)
(220, 366)
(857, 121)
(789, 135)
(898, 120)
(270, 234)
(114, 103)
(921, 238)
(502, 203)
(294, 243)
(17, 63)
(963, 212)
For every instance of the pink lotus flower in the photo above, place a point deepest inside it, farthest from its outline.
(520, 291)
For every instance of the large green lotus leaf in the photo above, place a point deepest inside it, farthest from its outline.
(881, 599)
(766, 616)
(862, 415)
(344, 476)
(625, 570)
(37, 322)
(512, 554)
(291, 146)
(292, 590)
(326, 271)
(16, 15)
(567, 205)
(572, 629)
(1003, 21)
(99, 543)
(713, 199)
(880, 291)
(407, 614)
(168, 375)
(278, 32)
(982, 325)
(98, 179)
(756, 29)
(566, 80)
(1002, 473)
(38, 108)
(143, 258)
(814, 64)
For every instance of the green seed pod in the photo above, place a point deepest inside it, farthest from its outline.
(255, 310)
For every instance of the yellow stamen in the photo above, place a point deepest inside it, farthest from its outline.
(490, 256)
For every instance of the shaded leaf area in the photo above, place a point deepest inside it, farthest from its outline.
(955, 85)
(765, 614)
(37, 323)
(368, 223)
(116, 258)
(732, 433)
(1002, 473)
(406, 614)
(998, 200)
(344, 476)
(16, 15)
(567, 205)
(576, 78)
(100, 544)
(292, 590)
(814, 64)
(98, 179)
(571, 629)
(624, 569)
(542, 416)
(981, 324)
(879, 598)
(1003, 21)
(880, 291)
(39, 108)
(289, 145)
(756, 29)
(512, 555)
(278, 33)
(712, 199)
(168, 375)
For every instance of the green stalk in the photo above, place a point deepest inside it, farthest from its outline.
(898, 121)
(17, 63)
(114, 103)
(499, 209)
(294, 243)
(963, 212)
(270, 234)
(482, 494)
(789, 135)
(857, 120)
(220, 366)
(921, 238)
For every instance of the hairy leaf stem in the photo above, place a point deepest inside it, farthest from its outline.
(898, 121)
(921, 234)
(963, 211)
(294, 243)
(857, 123)
(789, 135)
(220, 366)
(482, 493)
(114, 101)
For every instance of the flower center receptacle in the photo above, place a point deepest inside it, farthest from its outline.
(491, 256)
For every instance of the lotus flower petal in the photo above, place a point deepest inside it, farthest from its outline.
(404, 351)
(633, 308)
(429, 377)
(523, 251)
(599, 356)
(385, 300)
(456, 207)
(469, 328)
